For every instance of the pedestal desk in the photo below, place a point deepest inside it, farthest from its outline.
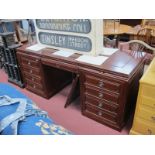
(107, 92)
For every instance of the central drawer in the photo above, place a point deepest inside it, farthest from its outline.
(102, 94)
(60, 65)
(102, 83)
(148, 90)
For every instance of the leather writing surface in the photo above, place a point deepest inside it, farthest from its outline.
(121, 62)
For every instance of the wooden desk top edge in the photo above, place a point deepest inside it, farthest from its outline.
(117, 68)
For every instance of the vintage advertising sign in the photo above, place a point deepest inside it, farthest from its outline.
(79, 35)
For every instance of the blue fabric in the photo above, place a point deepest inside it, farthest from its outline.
(32, 125)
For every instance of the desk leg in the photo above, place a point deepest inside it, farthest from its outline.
(74, 92)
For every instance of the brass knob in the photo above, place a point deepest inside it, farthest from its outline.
(153, 117)
(100, 95)
(149, 132)
(30, 71)
(100, 105)
(34, 86)
(100, 113)
(29, 63)
(101, 84)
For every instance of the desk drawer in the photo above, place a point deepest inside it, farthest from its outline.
(34, 85)
(36, 91)
(102, 83)
(32, 71)
(146, 113)
(61, 65)
(102, 104)
(30, 63)
(102, 94)
(100, 113)
(143, 127)
(33, 78)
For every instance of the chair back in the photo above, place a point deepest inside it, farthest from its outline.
(138, 49)
(146, 35)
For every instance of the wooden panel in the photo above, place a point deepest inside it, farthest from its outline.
(148, 91)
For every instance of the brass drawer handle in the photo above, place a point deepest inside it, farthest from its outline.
(100, 113)
(100, 95)
(149, 132)
(101, 84)
(153, 118)
(57, 65)
(100, 105)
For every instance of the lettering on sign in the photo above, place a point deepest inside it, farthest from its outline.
(84, 36)
(66, 41)
(66, 25)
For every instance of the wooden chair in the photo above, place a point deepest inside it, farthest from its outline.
(109, 43)
(147, 35)
(138, 49)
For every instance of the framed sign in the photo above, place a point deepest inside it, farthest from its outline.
(79, 35)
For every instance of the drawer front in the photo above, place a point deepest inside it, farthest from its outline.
(30, 57)
(148, 102)
(100, 113)
(102, 94)
(36, 91)
(146, 113)
(148, 91)
(34, 85)
(60, 65)
(102, 83)
(33, 78)
(143, 127)
(30, 63)
(32, 71)
(102, 104)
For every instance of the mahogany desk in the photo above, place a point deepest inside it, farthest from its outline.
(107, 92)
